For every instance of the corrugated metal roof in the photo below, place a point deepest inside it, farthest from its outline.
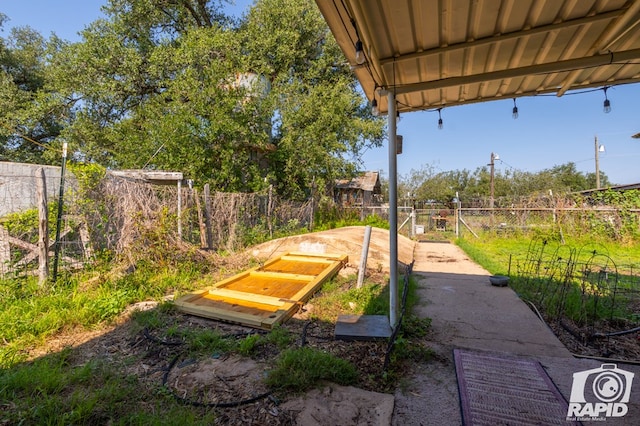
(438, 53)
(367, 181)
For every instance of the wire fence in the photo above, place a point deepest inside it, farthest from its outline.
(612, 223)
(584, 292)
(136, 220)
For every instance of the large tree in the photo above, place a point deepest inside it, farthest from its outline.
(174, 84)
(29, 119)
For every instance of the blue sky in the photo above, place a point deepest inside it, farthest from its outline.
(549, 131)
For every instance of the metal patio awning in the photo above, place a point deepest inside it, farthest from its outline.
(438, 53)
(432, 54)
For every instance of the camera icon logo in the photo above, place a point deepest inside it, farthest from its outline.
(600, 392)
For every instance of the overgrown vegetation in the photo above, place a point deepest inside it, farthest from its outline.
(586, 290)
(81, 388)
(54, 390)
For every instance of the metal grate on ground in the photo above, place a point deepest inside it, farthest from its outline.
(504, 390)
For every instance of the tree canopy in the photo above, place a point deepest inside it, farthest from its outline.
(428, 185)
(268, 99)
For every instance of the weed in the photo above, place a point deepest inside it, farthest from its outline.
(300, 369)
(280, 337)
(207, 341)
(249, 345)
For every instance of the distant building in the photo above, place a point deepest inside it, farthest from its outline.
(363, 190)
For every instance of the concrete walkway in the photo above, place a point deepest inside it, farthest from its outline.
(468, 312)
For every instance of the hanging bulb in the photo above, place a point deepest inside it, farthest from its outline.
(359, 53)
(397, 116)
(440, 124)
(607, 103)
(514, 113)
(374, 107)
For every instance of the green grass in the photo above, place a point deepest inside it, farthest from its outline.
(573, 298)
(297, 370)
(53, 391)
(30, 313)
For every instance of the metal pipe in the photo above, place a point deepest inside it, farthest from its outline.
(364, 255)
(180, 209)
(393, 211)
(597, 148)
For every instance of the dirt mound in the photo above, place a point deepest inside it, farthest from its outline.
(348, 240)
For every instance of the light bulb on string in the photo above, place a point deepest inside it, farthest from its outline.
(607, 103)
(359, 53)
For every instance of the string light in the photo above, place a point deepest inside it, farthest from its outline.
(607, 103)
(515, 109)
(359, 53)
(440, 123)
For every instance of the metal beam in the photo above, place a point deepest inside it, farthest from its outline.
(503, 37)
(610, 36)
(553, 67)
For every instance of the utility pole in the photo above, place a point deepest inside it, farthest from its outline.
(597, 163)
(494, 157)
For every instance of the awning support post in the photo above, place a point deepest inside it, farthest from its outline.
(393, 211)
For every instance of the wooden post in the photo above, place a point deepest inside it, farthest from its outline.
(85, 238)
(201, 224)
(364, 255)
(180, 209)
(207, 217)
(43, 227)
(5, 251)
(269, 208)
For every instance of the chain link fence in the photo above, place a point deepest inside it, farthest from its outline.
(612, 223)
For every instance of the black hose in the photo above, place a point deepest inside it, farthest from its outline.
(303, 338)
(186, 401)
(396, 330)
(616, 333)
(160, 341)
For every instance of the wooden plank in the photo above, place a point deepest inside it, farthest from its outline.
(305, 293)
(208, 312)
(282, 275)
(324, 258)
(261, 297)
(251, 297)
